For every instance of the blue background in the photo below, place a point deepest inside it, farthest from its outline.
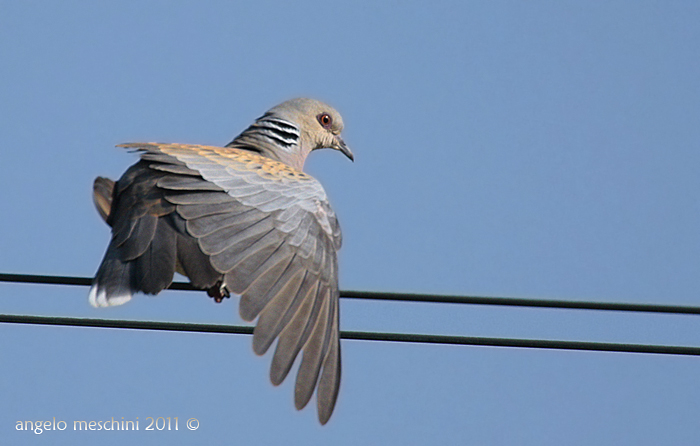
(530, 149)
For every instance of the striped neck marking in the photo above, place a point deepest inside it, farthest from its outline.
(282, 133)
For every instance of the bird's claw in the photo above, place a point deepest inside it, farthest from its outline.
(218, 292)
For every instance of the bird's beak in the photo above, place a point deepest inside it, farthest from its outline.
(340, 145)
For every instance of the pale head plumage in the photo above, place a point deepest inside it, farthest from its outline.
(289, 131)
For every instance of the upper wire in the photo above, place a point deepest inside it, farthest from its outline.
(412, 297)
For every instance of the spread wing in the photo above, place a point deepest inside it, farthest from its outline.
(265, 229)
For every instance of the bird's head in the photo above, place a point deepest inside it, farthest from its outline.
(289, 131)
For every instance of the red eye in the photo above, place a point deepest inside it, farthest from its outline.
(325, 120)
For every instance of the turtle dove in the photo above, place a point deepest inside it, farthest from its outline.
(240, 219)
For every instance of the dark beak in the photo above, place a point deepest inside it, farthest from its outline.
(340, 145)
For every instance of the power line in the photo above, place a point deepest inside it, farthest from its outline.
(360, 335)
(410, 297)
(379, 336)
(523, 302)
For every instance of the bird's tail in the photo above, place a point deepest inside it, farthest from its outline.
(112, 284)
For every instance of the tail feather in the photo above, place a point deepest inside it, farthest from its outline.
(113, 283)
(149, 240)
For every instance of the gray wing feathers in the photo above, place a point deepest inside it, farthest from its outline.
(272, 239)
(239, 218)
(236, 238)
(193, 211)
(186, 183)
(285, 303)
(313, 353)
(154, 268)
(236, 261)
(329, 384)
(195, 264)
(174, 168)
(260, 271)
(295, 334)
(139, 238)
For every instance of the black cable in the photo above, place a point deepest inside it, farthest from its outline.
(361, 335)
(522, 302)
(408, 297)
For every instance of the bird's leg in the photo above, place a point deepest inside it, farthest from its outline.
(218, 292)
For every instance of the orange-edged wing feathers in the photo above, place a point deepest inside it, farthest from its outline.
(269, 231)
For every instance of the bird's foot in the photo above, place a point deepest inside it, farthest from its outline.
(218, 292)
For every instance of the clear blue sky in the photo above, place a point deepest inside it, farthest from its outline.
(531, 149)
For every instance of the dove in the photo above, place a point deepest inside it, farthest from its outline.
(242, 219)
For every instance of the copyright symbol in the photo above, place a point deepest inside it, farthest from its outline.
(193, 424)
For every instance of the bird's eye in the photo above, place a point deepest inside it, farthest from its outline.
(325, 120)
